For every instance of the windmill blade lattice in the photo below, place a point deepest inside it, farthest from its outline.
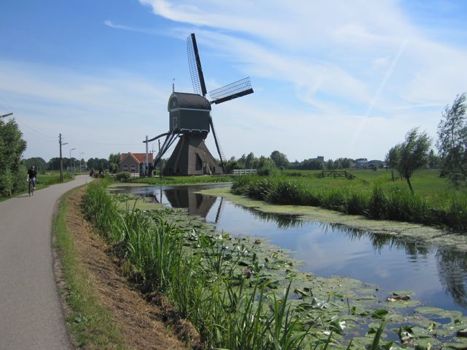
(233, 90)
(194, 63)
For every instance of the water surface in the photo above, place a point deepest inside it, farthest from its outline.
(438, 276)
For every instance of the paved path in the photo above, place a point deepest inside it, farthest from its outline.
(30, 312)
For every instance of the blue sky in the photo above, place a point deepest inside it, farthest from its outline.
(332, 78)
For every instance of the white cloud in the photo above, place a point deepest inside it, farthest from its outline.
(97, 114)
(353, 78)
(331, 47)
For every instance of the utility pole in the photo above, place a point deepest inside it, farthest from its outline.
(146, 165)
(72, 162)
(160, 160)
(61, 158)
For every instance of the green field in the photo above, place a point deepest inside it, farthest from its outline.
(51, 178)
(426, 183)
(369, 193)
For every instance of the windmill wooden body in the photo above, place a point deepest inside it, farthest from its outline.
(190, 122)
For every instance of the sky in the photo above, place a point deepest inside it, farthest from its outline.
(332, 78)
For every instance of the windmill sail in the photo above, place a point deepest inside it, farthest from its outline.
(194, 62)
(233, 90)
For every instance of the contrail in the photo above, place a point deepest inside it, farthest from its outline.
(378, 92)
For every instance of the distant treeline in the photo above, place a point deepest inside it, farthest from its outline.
(68, 163)
(279, 160)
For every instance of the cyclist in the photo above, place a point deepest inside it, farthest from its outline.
(32, 173)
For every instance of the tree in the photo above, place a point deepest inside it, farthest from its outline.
(38, 162)
(343, 163)
(413, 154)
(452, 140)
(114, 162)
(250, 162)
(330, 164)
(392, 159)
(433, 160)
(12, 146)
(98, 164)
(266, 166)
(279, 159)
(310, 164)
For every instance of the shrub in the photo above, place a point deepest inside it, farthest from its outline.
(286, 193)
(377, 208)
(404, 206)
(123, 176)
(6, 183)
(357, 204)
(335, 200)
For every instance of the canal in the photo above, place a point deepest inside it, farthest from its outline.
(437, 275)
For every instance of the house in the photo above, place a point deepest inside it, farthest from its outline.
(361, 163)
(134, 162)
(375, 164)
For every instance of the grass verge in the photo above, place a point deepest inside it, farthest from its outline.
(89, 323)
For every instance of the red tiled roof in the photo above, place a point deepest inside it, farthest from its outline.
(140, 157)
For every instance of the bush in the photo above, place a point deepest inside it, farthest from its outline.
(20, 183)
(377, 208)
(6, 183)
(404, 206)
(335, 200)
(286, 192)
(356, 204)
(123, 176)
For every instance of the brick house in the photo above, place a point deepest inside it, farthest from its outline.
(134, 162)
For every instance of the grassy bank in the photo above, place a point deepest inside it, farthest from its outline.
(89, 323)
(238, 292)
(371, 194)
(182, 180)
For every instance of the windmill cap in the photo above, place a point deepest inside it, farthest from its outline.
(186, 100)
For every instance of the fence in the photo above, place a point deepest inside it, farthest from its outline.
(244, 171)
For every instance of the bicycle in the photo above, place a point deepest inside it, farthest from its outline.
(32, 186)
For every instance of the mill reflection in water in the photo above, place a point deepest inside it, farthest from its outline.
(438, 276)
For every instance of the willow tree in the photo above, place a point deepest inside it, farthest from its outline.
(392, 159)
(412, 154)
(452, 140)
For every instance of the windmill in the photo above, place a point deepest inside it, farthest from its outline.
(190, 121)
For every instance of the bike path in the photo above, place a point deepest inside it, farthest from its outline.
(30, 312)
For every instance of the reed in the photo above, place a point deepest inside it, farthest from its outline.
(203, 275)
(384, 201)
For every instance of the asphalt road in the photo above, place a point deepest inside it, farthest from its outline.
(31, 316)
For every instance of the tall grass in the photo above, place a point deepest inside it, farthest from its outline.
(204, 277)
(228, 315)
(392, 202)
